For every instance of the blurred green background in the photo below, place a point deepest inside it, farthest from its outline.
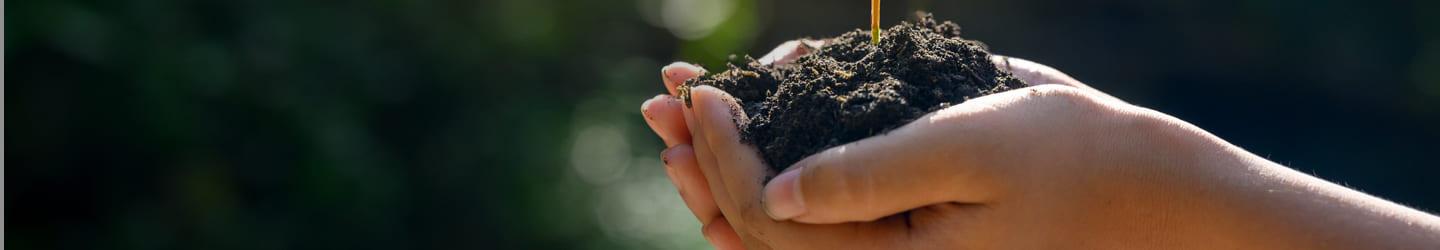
(513, 124)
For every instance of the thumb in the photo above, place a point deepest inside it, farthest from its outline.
(908, 168)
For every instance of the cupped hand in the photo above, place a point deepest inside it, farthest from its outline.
(663, 114)
(1054, 165)
(993, 172)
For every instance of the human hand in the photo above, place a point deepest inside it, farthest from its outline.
(1041, 166)
(663, 114)
(906, 206)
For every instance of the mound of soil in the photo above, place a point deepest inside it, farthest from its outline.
(851, 89)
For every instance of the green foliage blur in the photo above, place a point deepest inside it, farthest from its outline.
(514, 124)
(174, 124)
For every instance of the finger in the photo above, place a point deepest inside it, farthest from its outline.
(789, 51)
(706, 162)
(1035, 74)
(677, 73)
(742, 171)
(664, 116)
(694, 190)
(713, 175)
(922, 163)
(721, 235)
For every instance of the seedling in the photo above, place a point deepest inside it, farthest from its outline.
(875, 22)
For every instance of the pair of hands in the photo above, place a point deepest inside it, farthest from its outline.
(1056, 164)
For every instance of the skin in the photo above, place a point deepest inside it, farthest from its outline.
(1054, 165)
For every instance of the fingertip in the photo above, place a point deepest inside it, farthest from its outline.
(664, 115)
(777, 55)
(783, 199)
(1002, 62)
(645, 106)
(710, 91)
(721, 235)
(687, 67)
(1034, 73)
(789, 51)
(665, 157)
(677, 73)
(657, 116)
(712, 94)
(709, 100)
(678, 151)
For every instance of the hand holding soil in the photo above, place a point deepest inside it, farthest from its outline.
(1052, 165)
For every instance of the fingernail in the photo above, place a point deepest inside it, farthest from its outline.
(645, 108)
(665, 71)
(671, 73)
(783, 199)
(718, 229)
(665, 157)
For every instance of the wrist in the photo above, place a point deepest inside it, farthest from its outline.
(1169, 183)
(1200, 189)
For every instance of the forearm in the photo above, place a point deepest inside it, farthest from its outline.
(1283, 203)
(1247, 201)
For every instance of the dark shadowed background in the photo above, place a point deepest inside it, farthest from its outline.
(514, 124)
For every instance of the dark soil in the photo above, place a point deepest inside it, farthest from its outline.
(852, 89)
